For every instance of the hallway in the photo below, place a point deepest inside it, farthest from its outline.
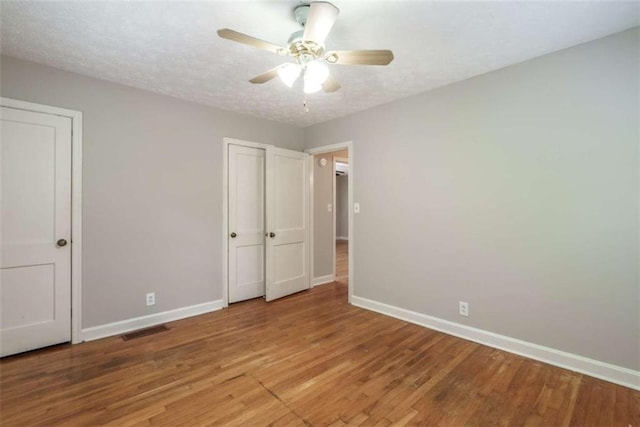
(342, 260)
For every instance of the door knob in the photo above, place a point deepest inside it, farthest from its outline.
(272, 234)
(61, 242)
(233, 235)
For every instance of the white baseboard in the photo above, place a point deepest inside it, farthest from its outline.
(323, 280)
(605, 371)
(124, 326)
(342, 238)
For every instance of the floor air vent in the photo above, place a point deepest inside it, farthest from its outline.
(144, 332)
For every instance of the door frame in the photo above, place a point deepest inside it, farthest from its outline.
(76, 202)
(335, 203)
(348, 145)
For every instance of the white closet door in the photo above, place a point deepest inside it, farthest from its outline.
(246, 222)
(287, 246)
(35, 230)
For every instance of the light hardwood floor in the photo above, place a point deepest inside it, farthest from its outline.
(342, 259)
(309, 359)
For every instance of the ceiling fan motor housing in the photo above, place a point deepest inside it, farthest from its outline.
(305, 51)
(301, 13)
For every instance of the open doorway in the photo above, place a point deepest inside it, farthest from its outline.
(341, 217)
(332, 216)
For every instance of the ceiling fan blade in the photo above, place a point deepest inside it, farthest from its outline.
(321, 17)
(359, 57)
(265, 77)
(330, 85)
(235, 36)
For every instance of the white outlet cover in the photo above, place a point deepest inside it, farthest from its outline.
(463, 308)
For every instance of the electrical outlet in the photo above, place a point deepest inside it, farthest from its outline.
(151, 298)
(463, 308)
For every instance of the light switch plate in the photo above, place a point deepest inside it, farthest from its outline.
(356, 208)
(329, 207)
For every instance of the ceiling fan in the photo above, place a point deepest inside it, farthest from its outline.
(306, 46)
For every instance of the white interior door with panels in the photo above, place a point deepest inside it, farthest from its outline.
(246, 176)
(287, 209)
(35, 230)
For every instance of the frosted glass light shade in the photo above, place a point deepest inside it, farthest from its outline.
(315, 74)
(310, 87)
(289, 73)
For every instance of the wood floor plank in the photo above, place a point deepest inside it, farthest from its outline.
(308, 359)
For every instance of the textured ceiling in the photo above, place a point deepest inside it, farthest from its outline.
(171, 47)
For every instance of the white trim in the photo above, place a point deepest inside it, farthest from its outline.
(322, 280)
(605, 371)
(251, 144)
(329, 148)
(76, 202)
(225, 221)
(351, 221)
(333, 215)
(311, 216)
(124, 326)
(348, 145)
(76, 228)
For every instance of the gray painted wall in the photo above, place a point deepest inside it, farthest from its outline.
(152, 196)
(516, 191)
(323, 239)
(323, 235)
(342, 206)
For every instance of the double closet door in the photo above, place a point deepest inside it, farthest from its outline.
(268, 222)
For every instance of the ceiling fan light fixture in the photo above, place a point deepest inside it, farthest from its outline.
(316, 72)
(307, 48)
(289, 73)
(311, 87)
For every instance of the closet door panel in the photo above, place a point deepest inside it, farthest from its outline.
(287, 208)
(246, 181)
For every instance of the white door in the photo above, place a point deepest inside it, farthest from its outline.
(246, 222)
(35, 230)
(287, 222)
